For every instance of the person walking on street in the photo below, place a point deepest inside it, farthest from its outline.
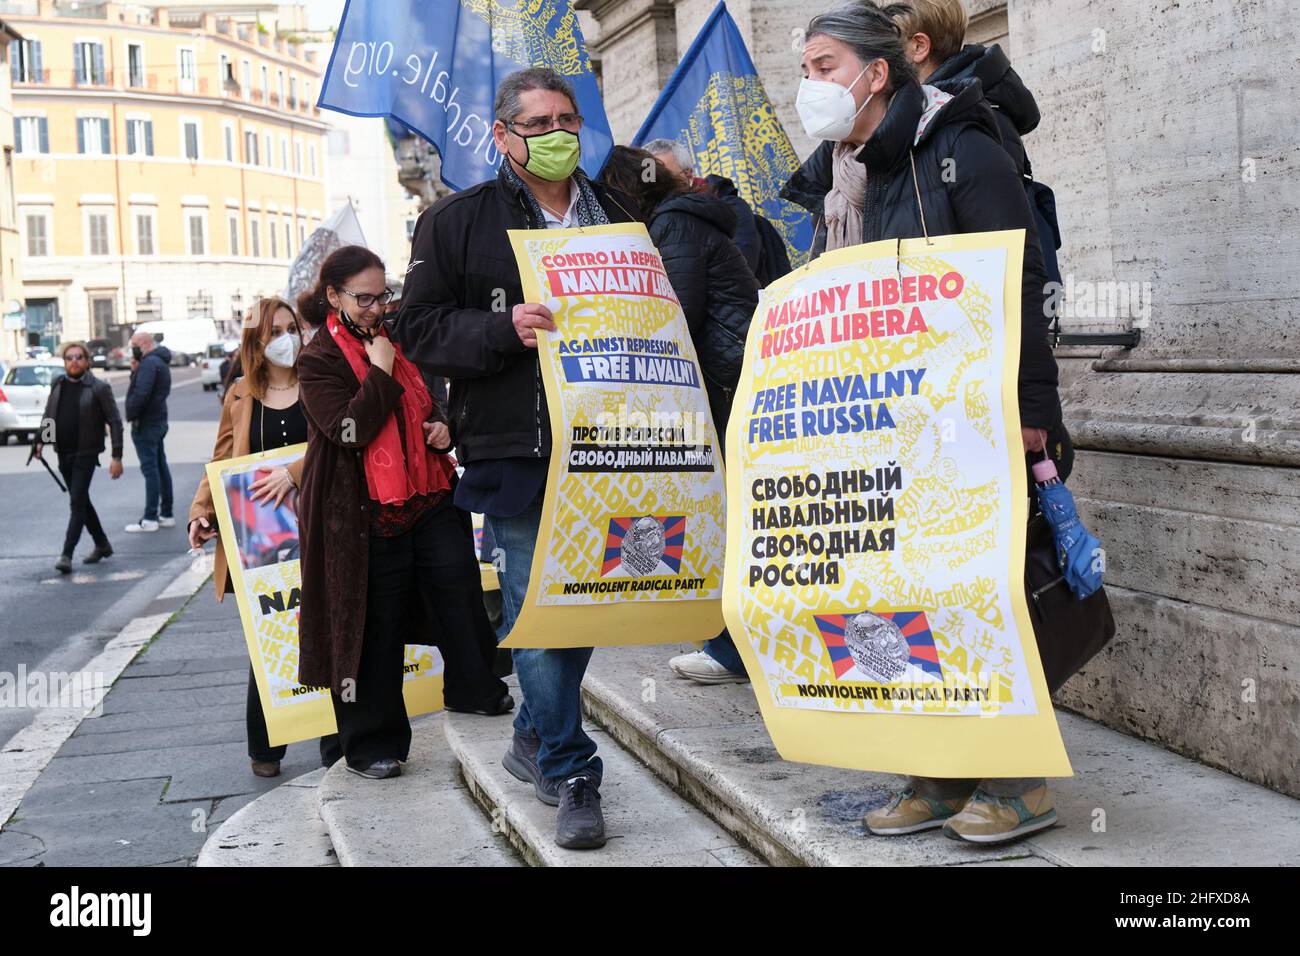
(261, 412)
(387, 558)
(146, 410)
(464, 316)
(80, 407)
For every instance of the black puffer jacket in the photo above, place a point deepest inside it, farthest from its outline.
(1013, 105)
(461, 288)
(985, 195)
(746, 234)
(717, 290)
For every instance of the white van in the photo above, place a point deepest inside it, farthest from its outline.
(187, 339)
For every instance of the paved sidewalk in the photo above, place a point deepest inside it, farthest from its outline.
(145, 783)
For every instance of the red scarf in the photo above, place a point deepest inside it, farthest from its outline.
(425, 472)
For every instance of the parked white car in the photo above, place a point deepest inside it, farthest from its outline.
(23, 394)
(210, 367)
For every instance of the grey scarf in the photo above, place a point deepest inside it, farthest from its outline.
(588, 210)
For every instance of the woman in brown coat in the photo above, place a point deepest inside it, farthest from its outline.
(260, 412)
(387, 559)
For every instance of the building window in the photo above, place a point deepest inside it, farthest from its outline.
(195, 229)
(191, 133)
(250, 147)
(88, 63)
(186, 73)
(293, 92)
(246, 76)
(284, 154)
(134, 64)
(139, 137)
(266, 84)
(302, 234)
(228, 137)
(280, 78)
(255, 237)
(297, 157)
(38, 235)
(144, 234)
(92, 136)
(311, 154)
(97, 233)
(306, 94)
(31, 134)
(275, 242)
(25, 64)
(232, 223)
(270, 155)
(102, 314)
(288, 237)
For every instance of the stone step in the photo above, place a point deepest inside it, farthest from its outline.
(425, 817)
(1130, 802)
(646, 823)
(279, 828)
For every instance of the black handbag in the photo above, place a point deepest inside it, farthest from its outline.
(1069, 632)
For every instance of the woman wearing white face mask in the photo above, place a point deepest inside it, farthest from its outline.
(905, 161)
(261, 412)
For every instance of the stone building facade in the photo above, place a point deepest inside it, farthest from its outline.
(1169, 137)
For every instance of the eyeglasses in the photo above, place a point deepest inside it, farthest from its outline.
(75, 357)
(365, 300)
(571, 122)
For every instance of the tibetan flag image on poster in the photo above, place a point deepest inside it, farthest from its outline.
(715, 105)
(877, 514)
(261, 543)
(630, 548)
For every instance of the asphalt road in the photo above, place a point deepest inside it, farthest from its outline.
(55, 622)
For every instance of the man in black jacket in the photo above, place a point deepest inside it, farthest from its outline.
(78, 410)
(463, 316)
(146, 410)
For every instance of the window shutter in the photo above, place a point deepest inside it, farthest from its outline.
(130, 137)
(105, 137)
(148, 137)
(80, 64)
(81, 135)
(44, 125)
(97, 61)
(18, 134)
(15, 52)
(37, 66)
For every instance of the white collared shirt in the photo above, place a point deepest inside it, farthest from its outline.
(549, 217)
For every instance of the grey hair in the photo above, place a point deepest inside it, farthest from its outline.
(870, 33)
(657, 147)
(507, 105)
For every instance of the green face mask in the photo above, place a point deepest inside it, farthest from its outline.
(552, 156)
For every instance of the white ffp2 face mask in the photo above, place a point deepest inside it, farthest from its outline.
(283, 350)
(826, 108)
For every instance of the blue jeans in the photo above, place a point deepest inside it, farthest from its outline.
(723, 650)
(148, 440)
(551, 679)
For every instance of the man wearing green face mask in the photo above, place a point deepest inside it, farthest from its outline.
(464, 317)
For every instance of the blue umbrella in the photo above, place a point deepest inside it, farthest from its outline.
(1077, 551)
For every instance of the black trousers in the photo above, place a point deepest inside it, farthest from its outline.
(432, 563)
(77, 472)
(259, 748)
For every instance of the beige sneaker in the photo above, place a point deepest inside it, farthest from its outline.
(909, 812)
(989, 819)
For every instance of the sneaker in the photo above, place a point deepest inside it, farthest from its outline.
(580, 825)
(144, 524)
(990, 819)
(98, 554)
(168, 522)
(64, 564)
(909, 812)
(703, 669)
(379, 770)
(521, 761)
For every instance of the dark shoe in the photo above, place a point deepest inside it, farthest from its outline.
(504, 705)
(379, 770)
(580, 824)
(64, 564)
(521, 761)
(98, 554)
(266, 768)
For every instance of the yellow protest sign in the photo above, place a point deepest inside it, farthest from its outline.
(877, 514)
(630, 547)
(261, 543)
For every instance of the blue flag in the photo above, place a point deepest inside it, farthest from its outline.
(716, 107)
(434, 65)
